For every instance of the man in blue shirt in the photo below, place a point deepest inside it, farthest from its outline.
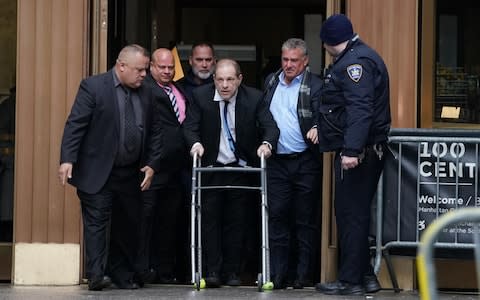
(293, 176)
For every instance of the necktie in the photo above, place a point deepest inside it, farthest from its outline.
(130, 127)
(231, 142)
(173, 100)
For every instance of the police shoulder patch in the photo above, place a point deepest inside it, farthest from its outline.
(355, 72)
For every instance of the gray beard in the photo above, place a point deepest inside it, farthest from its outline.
(202, 75)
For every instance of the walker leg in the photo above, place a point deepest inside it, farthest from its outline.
(391, 271)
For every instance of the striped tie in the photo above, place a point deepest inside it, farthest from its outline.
(173, 99)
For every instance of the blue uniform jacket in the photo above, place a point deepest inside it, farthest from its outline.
(354, 110)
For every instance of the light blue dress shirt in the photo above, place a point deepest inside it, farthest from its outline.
(284, 110)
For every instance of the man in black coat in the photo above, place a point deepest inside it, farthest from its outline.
(109, 138)
(294, 171)
(163, 231)
(228, 124)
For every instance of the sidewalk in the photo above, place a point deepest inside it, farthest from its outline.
(187, 292)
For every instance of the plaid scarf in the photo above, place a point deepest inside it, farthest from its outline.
(304, 107)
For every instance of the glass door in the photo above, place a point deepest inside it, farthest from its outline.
(457, 64)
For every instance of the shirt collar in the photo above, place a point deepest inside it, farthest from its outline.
(218, 98)
(116, 81)
(298, 78)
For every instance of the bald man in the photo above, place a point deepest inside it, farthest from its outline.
(163, 233)
(104, 150)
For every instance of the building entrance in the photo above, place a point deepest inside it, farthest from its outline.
(8, 32)
(249, 32)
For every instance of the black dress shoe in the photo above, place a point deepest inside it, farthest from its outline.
(212, 280)
(126, 285)
(98, 284)
(232, 279)
(166, 279)
(299, 284)
(340, 288)
(145, 277)
(371, 284)
(279, 283)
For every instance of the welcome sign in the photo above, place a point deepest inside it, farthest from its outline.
(428, 173)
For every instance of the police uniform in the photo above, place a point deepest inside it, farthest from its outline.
(354, 120)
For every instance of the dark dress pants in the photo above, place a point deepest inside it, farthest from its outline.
(110, 218)
(163, 236)
(182, 268)
(223, 222)
(354, 192)
(293, 190)
(167, 228)
(149, 200)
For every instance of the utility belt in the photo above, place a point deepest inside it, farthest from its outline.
(7, 151)
(379, 150)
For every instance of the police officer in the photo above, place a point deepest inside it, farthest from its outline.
(354, 121)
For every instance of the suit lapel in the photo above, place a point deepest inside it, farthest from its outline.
(240, 110)
(167, 101)
(144, 103)
(216, 110)
(162, 96)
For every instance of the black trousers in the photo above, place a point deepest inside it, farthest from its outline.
(293, 197)
(110, 218)
(223, 221)
(168, 228)
(163, 235)
(354, 191)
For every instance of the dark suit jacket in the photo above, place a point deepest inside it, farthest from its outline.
(91, 135)
(174, 154)
(253, 123)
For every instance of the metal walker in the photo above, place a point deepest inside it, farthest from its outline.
(263, 279)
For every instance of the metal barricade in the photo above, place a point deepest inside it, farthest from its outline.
(428, 173)
(263, 280)
(425, 264)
